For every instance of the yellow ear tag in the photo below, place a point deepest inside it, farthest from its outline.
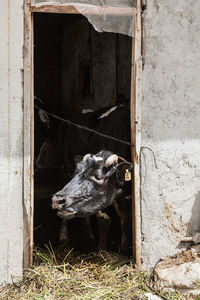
(127, 175)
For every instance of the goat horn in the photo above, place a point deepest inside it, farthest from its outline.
(86, 156)
(111, 160)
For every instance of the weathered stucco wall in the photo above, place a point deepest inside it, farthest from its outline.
(11, 139)
(170, 203)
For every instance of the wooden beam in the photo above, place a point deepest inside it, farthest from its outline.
(28, 137)
(91, 10)
(135, 108)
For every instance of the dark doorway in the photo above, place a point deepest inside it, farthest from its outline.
(75, 69)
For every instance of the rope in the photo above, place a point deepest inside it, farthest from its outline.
(85, 128)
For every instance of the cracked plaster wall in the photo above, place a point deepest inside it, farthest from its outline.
(170, 206)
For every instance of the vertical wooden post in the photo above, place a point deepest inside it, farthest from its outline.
(135, 108)
(28, 135)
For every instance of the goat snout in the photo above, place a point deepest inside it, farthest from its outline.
(58, 201)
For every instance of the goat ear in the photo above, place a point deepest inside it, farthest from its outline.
(122, 169)
(78, 158)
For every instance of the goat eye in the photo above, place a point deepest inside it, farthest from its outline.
(98, 179)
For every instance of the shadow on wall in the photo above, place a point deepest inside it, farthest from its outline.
(194, 223)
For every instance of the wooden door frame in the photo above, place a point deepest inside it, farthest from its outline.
(28, 181)
(135, 116)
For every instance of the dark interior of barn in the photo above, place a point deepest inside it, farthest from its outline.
(75, 69)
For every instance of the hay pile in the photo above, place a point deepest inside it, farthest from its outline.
(101, 275)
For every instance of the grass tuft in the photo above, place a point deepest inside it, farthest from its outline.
(64, 274)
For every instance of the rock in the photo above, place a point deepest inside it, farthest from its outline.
(184, 276)
(150, 296)
(181, 272)
(196, 248)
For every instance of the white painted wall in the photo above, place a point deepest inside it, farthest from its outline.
(11, 139)
(170, 127)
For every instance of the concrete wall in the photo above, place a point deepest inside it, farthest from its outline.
(170, 203)
(11, 139)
